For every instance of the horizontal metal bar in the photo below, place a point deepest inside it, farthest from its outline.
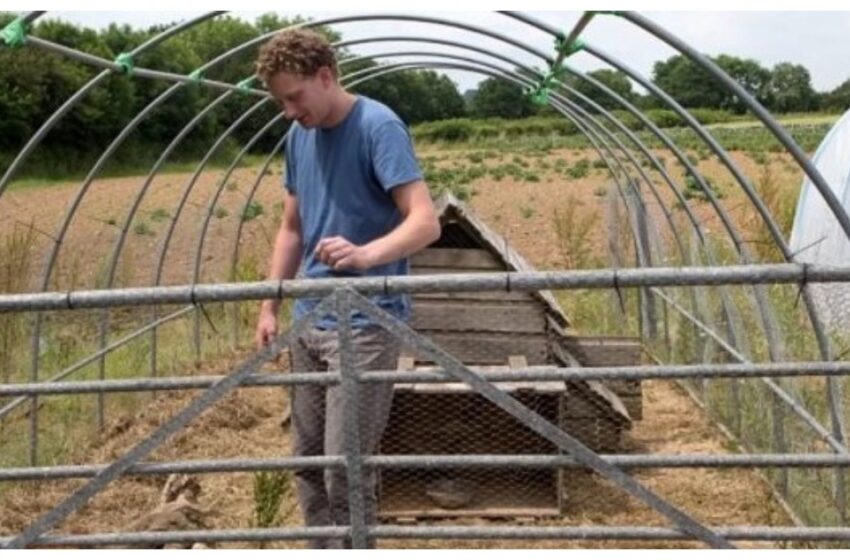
(739, 533)
(529, 374)
(207, 466)
(99, 62)
(788, 273)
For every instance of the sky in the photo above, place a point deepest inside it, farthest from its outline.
(819, 40)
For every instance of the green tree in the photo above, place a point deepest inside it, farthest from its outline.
(499, 98)
(416, 95)
(791, 89)
(686, 82)
(748, 73)
(839, 98)
(692, 86)
(613, 79)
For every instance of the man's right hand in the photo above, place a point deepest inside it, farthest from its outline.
(266, 328)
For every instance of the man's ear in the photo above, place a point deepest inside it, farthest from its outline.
(326, 75)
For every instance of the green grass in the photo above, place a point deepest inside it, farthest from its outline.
(253, 210)
(270, 488)
(160, 215)
(142, 228)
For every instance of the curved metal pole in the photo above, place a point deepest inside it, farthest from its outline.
(265, 37)
(80, 93)
(833, 386)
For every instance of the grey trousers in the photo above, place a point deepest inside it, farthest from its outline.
(318, 423)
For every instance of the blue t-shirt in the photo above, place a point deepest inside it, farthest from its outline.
(342, 178)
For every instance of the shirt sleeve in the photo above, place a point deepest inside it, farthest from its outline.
(289, 179)
(393, 158)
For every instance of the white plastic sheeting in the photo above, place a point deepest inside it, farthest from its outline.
(816, 236)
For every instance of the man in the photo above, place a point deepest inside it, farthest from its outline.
(355, 204)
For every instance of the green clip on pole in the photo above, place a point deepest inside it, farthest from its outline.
(540, 93)
(567, 49)
(125, 61)
(196, 76)
(14, 35)
(245, 85)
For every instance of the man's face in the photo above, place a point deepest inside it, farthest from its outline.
(306, 100)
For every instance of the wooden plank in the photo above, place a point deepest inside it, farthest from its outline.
(600, 434)
(625, 387)
(495, 511)
(517, 362)
(456, 258)
(563, 355)
(519, 317)
(547, 387)
(531, 493)
(558, 330)
(610, 398)
(577, 406)
(489, 348)
(452, 209)
(474, 296)
(606, 351)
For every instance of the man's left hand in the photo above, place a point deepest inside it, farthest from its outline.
(341, 254)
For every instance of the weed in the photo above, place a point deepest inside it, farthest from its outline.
(253, 210)
(142, 228)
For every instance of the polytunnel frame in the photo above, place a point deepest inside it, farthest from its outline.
(584, 20)
(202, 240)
(771, 344)
(761, 300)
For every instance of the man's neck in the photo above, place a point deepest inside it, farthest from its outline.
(341, 107)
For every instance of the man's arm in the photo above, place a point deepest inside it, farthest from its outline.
(419, 228)
(286, 257)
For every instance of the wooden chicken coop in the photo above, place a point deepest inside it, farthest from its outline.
(498, 331)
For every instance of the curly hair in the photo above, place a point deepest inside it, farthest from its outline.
(299, 51)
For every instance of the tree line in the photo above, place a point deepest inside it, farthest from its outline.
(34, 83)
